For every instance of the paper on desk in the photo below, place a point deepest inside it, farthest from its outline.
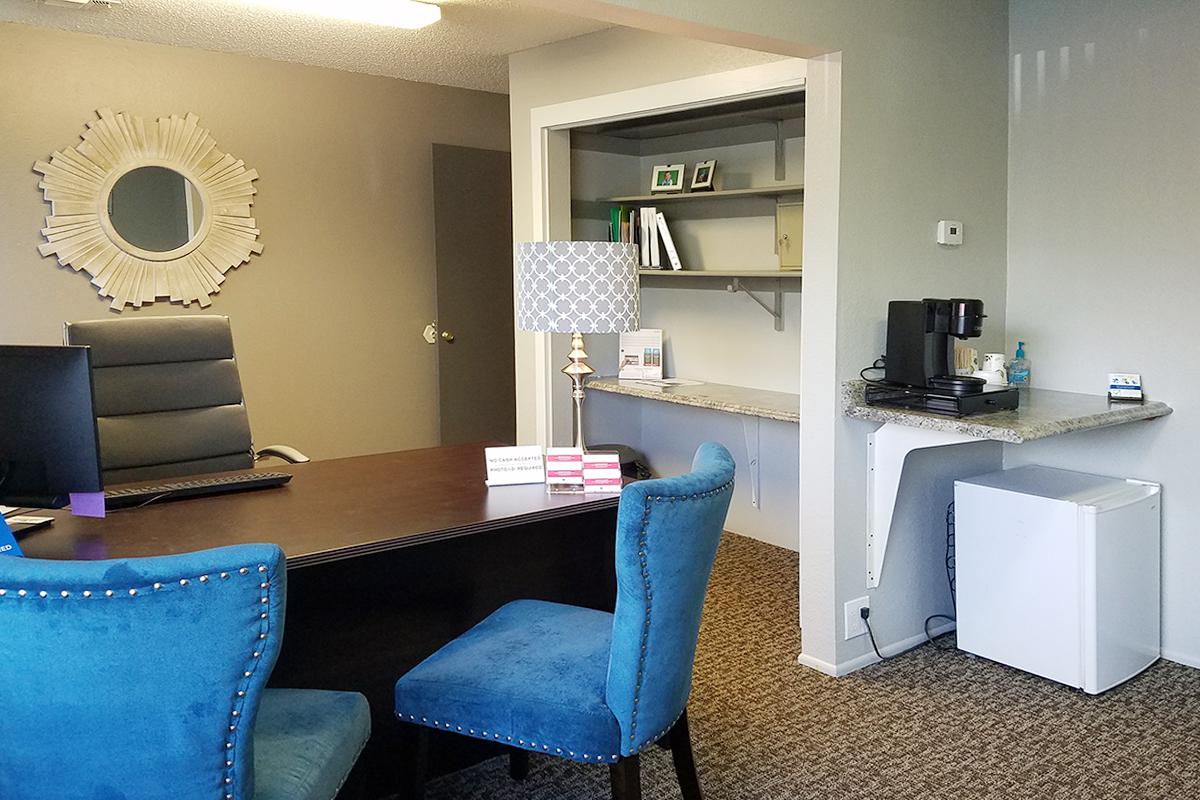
(6, 510)
(664, 383)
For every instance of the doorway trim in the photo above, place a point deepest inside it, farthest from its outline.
(550, 150)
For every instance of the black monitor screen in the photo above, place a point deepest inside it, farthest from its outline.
(48, 441)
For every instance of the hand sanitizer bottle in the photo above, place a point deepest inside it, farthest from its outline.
(1018, 369)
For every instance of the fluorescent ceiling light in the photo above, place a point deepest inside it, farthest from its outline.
(393, 13)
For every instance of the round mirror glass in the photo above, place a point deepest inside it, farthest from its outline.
(155, 208)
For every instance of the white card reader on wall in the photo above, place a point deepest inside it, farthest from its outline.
(949, 232)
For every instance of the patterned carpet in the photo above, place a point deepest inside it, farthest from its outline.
(931, 724)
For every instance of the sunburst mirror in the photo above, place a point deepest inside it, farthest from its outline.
(149, 211)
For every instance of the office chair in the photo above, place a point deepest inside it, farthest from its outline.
(168, 398)
(582, 684)
(144, 678)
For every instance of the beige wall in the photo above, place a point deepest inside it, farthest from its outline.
(918, 88)
(328, 319)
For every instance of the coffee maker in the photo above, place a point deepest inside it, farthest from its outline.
(919, 364)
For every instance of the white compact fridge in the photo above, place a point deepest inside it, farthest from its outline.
(1058, 573)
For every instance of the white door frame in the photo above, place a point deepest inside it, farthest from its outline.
(551, 121)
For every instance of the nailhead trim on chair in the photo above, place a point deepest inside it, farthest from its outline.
(264, 628)
(565, 752)
(646, 588)
(516, 741)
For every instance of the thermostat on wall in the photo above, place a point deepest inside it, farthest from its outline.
(949, 232)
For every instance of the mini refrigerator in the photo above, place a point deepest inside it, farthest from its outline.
(1057, 573)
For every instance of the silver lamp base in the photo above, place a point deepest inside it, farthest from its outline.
(577, 370)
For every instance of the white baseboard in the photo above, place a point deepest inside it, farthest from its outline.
(844, 668)
(823, 667)
(1186, 659)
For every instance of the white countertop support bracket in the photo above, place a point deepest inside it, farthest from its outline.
(735, 286)
(750, 426)
(887, 452)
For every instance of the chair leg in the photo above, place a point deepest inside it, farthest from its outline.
(626, 779)
(518, 764)
(685, 762)
(412, 782)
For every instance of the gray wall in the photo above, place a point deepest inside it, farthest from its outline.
(328, 319)
(921, 86)
(1104, 245)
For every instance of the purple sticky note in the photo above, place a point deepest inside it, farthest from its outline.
(87, 504)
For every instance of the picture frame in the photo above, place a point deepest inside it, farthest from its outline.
(703, 175)
(667, 178)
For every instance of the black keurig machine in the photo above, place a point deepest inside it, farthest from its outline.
(919, 364)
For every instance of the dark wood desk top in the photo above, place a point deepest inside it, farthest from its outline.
(330, 510)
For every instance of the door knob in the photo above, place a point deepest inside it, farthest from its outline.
(447, 337)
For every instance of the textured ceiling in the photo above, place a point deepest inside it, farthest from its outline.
(467, 48)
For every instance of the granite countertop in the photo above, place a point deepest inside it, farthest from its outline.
(1042, 413)
(715, 396)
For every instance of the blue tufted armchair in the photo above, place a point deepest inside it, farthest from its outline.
(143, 679)
(582, 684)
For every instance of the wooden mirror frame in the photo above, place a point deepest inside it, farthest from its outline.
(77, 182)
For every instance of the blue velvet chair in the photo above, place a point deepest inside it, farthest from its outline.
(582, 684)
(142, 679)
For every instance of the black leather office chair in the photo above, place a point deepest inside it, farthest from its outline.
(168, 398)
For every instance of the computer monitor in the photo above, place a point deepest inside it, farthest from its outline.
(49, 444)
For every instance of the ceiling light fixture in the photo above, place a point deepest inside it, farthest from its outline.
(392, 13)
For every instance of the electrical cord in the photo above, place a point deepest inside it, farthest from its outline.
(880, 363)
(865, 613)
(951, 576)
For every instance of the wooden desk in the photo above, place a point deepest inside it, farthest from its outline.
(330, 510)
(389, 557)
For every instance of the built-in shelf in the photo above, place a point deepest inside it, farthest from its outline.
(683, 274)
(1041, 413)
(723, 194)
(744, 400)
(774, 281)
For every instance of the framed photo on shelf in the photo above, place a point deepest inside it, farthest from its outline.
(667, 178)
(703, 174)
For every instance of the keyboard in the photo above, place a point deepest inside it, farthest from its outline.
(193, 487)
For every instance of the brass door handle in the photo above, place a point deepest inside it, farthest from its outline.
(447, 337)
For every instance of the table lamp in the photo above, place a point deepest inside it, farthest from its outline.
(577, 288)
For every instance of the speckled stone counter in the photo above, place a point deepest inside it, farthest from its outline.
(1042, 413)
(715, 396)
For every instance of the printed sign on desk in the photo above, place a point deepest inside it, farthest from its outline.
(509, 466)
(564, 470)
(601, 472)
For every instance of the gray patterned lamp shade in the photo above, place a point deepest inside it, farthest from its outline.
(577, 287)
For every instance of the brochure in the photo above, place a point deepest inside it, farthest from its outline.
(641, 355)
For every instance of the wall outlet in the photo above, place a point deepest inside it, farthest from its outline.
(855, 624)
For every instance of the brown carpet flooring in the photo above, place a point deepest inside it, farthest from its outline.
(931, 724)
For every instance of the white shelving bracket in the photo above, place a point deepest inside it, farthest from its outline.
(750, 426)
(887, 453)
(735, 286)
